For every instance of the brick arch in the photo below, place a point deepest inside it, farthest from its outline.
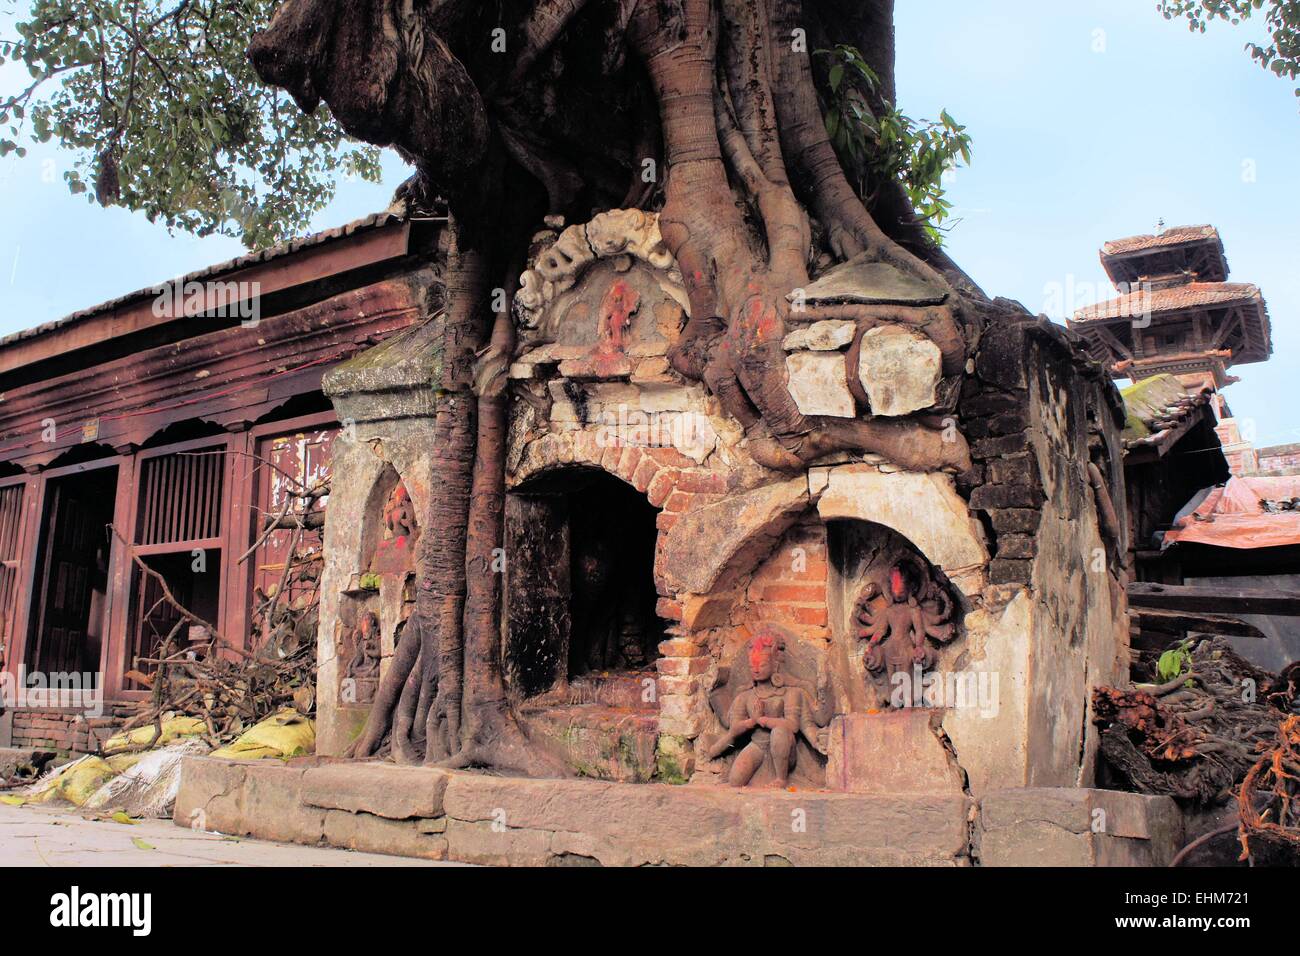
(672, 482)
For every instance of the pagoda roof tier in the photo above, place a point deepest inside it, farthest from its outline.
(1171, 299)
(1217, 324)
(1196, 250)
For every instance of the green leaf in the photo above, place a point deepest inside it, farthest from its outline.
(142, 845)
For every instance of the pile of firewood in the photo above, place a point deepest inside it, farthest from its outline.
(1220, 731)
(197, 672)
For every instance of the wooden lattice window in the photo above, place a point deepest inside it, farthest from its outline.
(181, 497)
(11, 519)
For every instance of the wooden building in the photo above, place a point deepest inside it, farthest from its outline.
(160, 428)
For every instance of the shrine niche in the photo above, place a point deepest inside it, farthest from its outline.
(774, 702)
(898, 613)
(581, 629)
(580, 591)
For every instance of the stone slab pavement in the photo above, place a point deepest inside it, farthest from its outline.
(52, 836)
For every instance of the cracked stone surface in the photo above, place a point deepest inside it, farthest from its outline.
(49, 836)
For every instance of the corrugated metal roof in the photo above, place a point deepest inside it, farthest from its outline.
(373, 221)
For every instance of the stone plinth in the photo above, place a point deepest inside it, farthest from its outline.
(481, 818)
(896, 751)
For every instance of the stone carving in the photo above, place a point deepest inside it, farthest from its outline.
(358, 651)
(394, 553)
(766, 704)
(619, 232)
(899, 620)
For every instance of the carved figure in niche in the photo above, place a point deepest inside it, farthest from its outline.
(359, 652)
(899, 620)
(393, 554)
(770, 709)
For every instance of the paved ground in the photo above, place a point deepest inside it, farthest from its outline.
(42, 836)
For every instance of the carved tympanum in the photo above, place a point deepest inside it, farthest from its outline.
(901, 618)
(766, 708)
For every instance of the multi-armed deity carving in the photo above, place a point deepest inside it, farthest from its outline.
(770, 698)
(902, 620)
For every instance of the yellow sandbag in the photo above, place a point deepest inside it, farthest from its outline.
(121, 763)
(143, 736)
(284, 734)
(74, 782)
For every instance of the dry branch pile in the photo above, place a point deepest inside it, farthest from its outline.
(196, 672)
(1221, 730)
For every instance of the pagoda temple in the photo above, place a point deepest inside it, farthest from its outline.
(1177, 314)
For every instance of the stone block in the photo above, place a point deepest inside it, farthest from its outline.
(818, 384)
(895, 751)
(384, 790)
(13, 759)
(900, 370)
(729, 536)
(1043, 826)
(827, 335)
(924, 508)
(371, 834)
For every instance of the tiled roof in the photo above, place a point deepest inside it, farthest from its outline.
(1194, 295)
(374, 221)
(1170, 237)
(1158, 408)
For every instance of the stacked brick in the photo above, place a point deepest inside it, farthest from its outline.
(1004, 486)
(67, 729)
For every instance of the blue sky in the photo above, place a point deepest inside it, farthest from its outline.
(1091, 120)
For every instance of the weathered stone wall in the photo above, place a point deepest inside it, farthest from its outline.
(1038, 614)
(66, 729)
(1054, 620)
(386, 403)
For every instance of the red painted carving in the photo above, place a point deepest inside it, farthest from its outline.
(770, 710)
(898, 621)
(395, 551)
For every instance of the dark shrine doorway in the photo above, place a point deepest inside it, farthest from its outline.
(70, 617)
(580, 593)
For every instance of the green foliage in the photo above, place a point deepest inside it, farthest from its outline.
(1174, 662)
(1281, 56)
(889, 147)
(164, 114)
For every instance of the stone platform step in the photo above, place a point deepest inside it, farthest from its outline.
(632, 690)
(488, 819)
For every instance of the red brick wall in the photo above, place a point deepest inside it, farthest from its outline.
(66, 728)
(789, 587)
